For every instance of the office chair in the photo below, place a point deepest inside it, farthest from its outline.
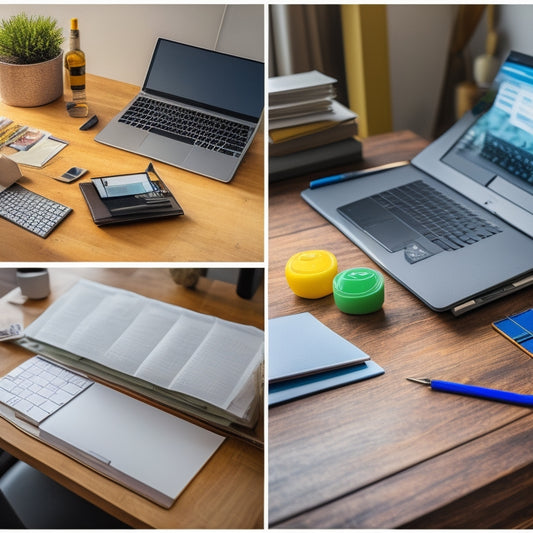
(6, 461)
(31, 500)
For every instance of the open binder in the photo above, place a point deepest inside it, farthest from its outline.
(201, 365)
(129, 198)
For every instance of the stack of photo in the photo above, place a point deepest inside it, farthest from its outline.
(308, 128)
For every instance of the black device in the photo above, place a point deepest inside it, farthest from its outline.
(90, 123)
(72, 174)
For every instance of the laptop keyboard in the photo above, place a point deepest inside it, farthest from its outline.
(189, 126)
(437, 217)
(38, 388)
(507, 156)
(30, 210)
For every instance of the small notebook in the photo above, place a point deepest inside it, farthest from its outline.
(305, 357)
(518, 329)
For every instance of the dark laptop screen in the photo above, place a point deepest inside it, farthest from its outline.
(210, 79)
(501, 140)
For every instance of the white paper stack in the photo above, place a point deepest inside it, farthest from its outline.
(304, 114)
(198, 363)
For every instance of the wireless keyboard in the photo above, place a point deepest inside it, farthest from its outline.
(31, 211)
(38, 388)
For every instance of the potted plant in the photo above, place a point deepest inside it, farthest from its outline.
(31, 60)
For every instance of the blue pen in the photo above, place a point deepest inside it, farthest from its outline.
(525, 400)
(321, 182)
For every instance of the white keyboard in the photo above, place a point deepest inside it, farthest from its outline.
(38, 388)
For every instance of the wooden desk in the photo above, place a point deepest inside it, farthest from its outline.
(228, 492)
(388, 453)
(222, 221)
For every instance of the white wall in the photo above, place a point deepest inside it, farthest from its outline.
(118, 39)
(514, 26)
(418, 43)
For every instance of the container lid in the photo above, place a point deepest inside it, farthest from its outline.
(310, 273)
(359, 290)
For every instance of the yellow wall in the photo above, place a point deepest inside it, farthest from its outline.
(367, 66)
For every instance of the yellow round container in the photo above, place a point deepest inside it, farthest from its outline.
(310, 274)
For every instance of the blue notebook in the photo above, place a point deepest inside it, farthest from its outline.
(306, 357)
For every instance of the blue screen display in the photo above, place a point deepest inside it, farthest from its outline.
(503, 136)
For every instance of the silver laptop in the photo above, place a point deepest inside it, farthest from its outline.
(198, 110)
(455, 226)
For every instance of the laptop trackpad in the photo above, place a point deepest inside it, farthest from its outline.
(213, 164)
(165, 149)
(388, 230)
(375, 220)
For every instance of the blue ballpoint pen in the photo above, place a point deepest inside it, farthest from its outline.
(525, 400)
(321, 182)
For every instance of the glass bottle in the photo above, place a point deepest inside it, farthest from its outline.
(75, 66)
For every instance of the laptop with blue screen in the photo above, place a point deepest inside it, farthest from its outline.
(455, 226)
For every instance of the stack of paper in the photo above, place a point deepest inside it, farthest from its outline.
(304, 115)
(306, 357)
(308, 129)
(300, 95)
(199, 364)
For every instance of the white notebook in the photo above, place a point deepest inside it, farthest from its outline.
(137, 445)
(141, 447)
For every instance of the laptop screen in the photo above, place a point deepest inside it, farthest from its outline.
(500, 142)
(213, 80)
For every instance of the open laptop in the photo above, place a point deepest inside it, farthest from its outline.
(484, 166)
(198, 110)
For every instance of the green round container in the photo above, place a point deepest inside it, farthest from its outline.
(359, 291)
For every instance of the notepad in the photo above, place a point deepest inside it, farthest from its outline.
(306, 357)
(518, 329)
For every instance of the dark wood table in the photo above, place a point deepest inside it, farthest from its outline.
(388, 453)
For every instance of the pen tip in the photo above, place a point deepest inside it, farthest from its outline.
(423, 381)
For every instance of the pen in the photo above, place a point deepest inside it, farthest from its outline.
(53, 138)
(321, 182)
(525, 400)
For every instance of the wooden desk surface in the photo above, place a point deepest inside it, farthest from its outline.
(228, 492)
(386, 452)
(222, 221)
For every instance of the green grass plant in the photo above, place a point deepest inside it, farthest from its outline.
(27, 40)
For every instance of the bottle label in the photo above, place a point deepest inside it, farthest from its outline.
(77, 71)
(77, 78)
